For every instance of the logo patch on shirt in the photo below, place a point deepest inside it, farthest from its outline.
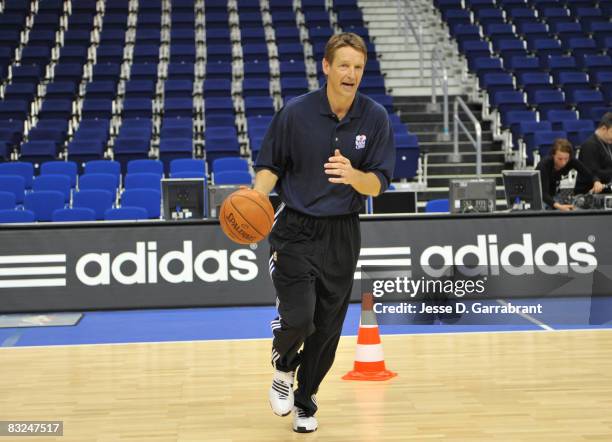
(360, 141)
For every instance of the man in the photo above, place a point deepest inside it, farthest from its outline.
(553, 167)
(324, 152)
(596, 155)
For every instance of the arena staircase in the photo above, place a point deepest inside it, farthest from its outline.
(411, 89)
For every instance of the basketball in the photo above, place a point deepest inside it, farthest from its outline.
(246, 216)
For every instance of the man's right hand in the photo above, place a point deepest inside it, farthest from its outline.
(564, 207)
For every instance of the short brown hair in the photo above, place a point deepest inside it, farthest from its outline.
(561, 145)
(606, 121)
(342, 40)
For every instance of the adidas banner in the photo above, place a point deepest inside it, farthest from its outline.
(61, 267)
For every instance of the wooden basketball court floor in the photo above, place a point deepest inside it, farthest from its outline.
(505, 386)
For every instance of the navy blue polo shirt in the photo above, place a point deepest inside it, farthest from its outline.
(305, 133)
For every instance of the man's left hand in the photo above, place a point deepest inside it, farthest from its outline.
(341, 167)
(597, 187)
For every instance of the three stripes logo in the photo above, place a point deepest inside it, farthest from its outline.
(23, 271)
(384, 257)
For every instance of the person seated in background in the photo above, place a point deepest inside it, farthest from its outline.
(553, 167)
(596, 155)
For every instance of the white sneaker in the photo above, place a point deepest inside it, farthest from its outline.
(281, 393)
(303, 423)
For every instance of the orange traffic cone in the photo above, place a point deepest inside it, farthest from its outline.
(369, 358)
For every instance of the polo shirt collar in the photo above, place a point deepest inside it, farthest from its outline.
(325, 109)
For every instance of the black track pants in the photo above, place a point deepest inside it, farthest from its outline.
(312, 264)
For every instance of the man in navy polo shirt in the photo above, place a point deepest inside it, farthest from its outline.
(324, 152)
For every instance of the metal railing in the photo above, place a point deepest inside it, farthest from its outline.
(477, 143)
(439, 78)
(404, 22)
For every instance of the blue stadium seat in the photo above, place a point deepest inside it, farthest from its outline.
(299, 85)
(557, 117)
(169, 132)
(148, 199)
(99, 181)
(7, 200)
(285, 34)
(219, 53)
(253, 87)
(43, 203)
(73, 215)
(179, 88)
(127, 149)
(100, 90)
(143, 181)
(257, 69)
(220, 69)
(506, 101)
(140, 89)
(585, 101)
(143, 71)
(573, 81)
(232, 177)
(217, 88)
(230, 163)
(255, 51)
(530, 31)
(524, 64)
(60, 183)
(17, 216)
(437, 206)
(595, 64)
(103, 166)
(172, 148)
(194, 167)
(258, 106)
(178, 107)
(97, 108)
(146, 53)
(81, 150)
(21, 168)
(126, 213)
(510, 47)
(578, 130)
(548, 100)
(218, 106)
(406, 155)
(14, 109)
(97, 200)
(135, 128)
(61, 89)
(290, 51)
(495, 82)
(146, 166)
(373, 85)
(181, 71)
(14, 184)
(521, 15)
(137, 108)
(530, 82)
(38, 151)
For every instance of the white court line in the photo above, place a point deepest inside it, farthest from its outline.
(476, 332)
(528, 317)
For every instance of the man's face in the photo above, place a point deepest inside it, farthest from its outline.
(561, 159)
(605, 133)
(344, 73)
